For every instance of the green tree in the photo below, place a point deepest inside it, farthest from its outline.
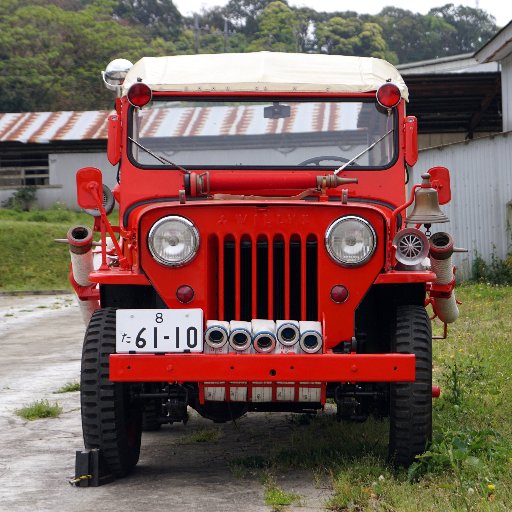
(352, 36)
(473, 27)
(244, 14)
(160, 18)
(413, 37)
(50, 59)
(277, 29)
(444, 31)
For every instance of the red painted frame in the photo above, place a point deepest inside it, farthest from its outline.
(254, 367)
(145, 195)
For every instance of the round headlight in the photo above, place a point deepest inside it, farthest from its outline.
(173, 241)
(350, 240)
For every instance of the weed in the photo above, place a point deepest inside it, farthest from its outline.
(498, 271)
(454, 450)
(70, 387)
(462, 376)
(22, 199)
(39, 409)
(468, 456)
(206, 435)
(240, 467)
(276, 497)
(324, 442)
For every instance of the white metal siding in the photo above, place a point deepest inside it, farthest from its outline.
(506, 92)
(481, 184)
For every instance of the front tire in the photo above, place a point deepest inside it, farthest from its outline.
(410, 427)
(111, 414)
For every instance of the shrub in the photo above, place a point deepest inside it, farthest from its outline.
(22, 200)
(498, 271)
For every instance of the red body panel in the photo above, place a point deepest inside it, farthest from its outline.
(386, 185)
(217, 222)
(271, 368)
(147, 195)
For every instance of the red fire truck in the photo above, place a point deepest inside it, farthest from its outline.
(262, 258)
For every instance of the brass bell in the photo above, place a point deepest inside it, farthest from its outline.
(426, 205)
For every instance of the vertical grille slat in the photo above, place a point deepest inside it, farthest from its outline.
(274, 278)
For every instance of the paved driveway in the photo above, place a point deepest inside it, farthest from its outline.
(40, 343)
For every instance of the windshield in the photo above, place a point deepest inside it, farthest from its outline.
(280, 133)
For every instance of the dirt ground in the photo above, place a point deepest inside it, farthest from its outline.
(40, 343)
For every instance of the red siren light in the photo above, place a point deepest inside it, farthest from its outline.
(139, 94)
(388, 95)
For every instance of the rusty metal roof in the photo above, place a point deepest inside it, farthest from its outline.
(45, 127)
(50, 127)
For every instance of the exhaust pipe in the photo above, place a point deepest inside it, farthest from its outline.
(441, 250)
(263, 336)
(310, 337)
(240, 336)
(80, 249)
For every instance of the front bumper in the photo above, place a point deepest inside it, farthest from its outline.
(265, 367)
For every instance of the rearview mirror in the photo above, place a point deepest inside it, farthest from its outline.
(89, 187)
(276, 111)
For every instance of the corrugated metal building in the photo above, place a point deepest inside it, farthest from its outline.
(481, 208)
(481, 172)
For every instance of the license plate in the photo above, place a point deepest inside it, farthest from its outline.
(159, 330)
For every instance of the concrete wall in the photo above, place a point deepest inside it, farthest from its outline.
(62, 170)
(481, 206)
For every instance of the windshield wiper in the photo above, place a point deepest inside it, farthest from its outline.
(161, 159)
(339, 169)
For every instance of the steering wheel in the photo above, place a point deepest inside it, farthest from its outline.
(317, 159)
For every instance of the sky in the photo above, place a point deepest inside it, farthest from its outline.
(500, 9)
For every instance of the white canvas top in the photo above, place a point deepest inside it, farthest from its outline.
(264, 71)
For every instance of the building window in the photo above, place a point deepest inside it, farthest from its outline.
(23, 171)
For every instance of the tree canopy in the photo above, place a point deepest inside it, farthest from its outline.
(52, 51)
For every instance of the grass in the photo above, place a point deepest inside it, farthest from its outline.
(31, 260)
(70, 387)
(204, 435)
(38, 410)
(468, 466)
(277, 498)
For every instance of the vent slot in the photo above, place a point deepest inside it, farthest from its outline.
(277, 282)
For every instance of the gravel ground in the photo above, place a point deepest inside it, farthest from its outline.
(41, 347)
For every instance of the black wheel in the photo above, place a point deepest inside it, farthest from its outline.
(410, 422)
(150, 416)
(111, 415)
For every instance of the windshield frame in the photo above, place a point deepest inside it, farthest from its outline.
(263, 98)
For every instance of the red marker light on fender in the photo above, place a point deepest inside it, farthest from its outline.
(139, 94)
(185, 293)
(339, 293)
(388, 95)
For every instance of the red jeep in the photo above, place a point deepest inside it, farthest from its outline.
(261, 260)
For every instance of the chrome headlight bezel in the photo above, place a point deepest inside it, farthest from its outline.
(194, 238)
(328, 240)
